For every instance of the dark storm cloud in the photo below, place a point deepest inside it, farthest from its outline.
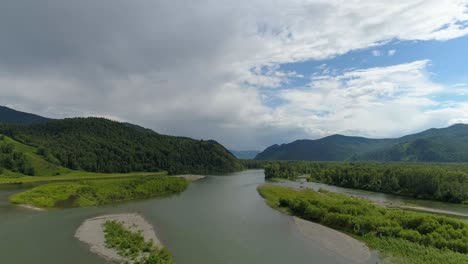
(188, 67)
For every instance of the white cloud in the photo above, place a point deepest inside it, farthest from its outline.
(391, 52)
(375, 53)
(376, 102)
(200, 69)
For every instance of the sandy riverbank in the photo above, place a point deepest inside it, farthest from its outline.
(339, 243)
(31, 207)
(91, 232)
(191, 177)
(425, 209)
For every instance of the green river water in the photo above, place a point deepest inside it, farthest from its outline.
(218, 220)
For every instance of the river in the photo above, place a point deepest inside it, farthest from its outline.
(217, 220)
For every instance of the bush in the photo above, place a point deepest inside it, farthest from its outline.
(314, 213)
(133, 245)
(410, 235)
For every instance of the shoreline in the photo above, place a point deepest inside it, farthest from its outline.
(31, 207)
(387, 204)
(423, 209)
(191, 177)
(91, 232)
(353, 250)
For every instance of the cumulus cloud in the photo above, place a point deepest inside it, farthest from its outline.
(391, 52)
(375, 102)
(201, 68)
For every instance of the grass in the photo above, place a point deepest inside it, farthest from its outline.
(76, 176)
(98, 192)
(133, 246)
(41, 166)
(402, 236)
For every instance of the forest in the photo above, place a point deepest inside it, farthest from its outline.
(101, 145)
(447, 235)
(447, 182)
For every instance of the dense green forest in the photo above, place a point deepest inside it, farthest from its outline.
(101, 145)
(443, 182)
(433, 145)
(98, 192)
(442, 239)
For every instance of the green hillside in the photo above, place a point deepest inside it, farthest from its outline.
(433, 145)
(105, 146)
(20, 163)
(17, 159)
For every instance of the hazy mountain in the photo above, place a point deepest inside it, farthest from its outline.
(434, 145)
(245, 154)
(8, 115)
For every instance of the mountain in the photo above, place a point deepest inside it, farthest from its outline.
(331, 148)
(434, 145)
(245, 154)
(8, 115)
(101, 145)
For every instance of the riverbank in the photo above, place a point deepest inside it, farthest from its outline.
(331, 240)
(77, 176)
(425, 210)
(91, 232)
(31, 207)
(386, 200)
(191, 177)
(385, 229)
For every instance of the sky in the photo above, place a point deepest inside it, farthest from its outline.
(248, 74)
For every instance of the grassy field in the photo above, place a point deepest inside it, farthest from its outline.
(401, 236)
(133, 246)
(41, 165)
(98, 192)
(77, 176)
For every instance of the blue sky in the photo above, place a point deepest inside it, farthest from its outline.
(448, 60)
(448, 64)
(247, 73)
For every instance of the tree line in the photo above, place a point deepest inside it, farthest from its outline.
(442, 182)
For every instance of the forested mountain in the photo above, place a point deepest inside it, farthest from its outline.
(8, 115)
(245, 154)
(433, 145)
(101, 145)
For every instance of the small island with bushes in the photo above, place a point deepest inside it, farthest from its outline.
(123, 238)
(99, 192)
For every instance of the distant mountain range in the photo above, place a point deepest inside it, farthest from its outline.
(102, 145)
(8, 115)
(245, 154)
(434, 145)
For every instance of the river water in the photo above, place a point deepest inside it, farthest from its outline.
(217, 220)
